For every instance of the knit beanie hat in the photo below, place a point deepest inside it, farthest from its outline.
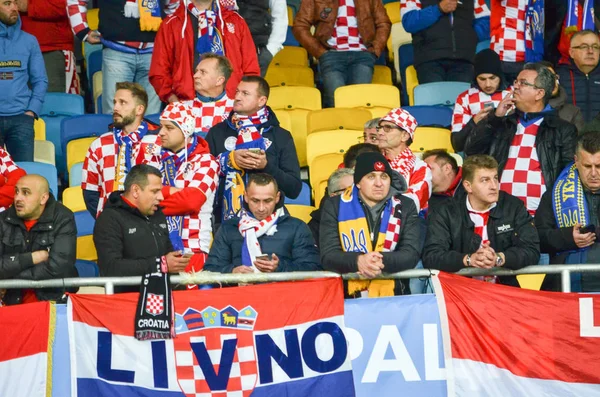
(182, 116)
(488, 61)
(368, 162)
(402, 119)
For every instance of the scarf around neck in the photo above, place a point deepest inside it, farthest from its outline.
(251, 229)
(125, 143)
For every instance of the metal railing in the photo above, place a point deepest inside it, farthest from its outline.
(203, 278)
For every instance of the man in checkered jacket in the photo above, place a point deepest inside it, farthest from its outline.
(112, 155)
(532, 144)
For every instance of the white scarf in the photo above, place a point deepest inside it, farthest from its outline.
(251, 229)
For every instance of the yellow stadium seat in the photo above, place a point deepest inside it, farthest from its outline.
(290, 15)
(291, 56)
(285, 120)
(427, 138)
(393, 11)
(531, 281)
(319, 171)
(398, 36)
(97, 85)
(337, 118)
(93, 18)
(411, 82)
(301, 212)
(291, 76)
(39, 129)
(77, 149)
(335, 141)
(43, 152)
(379, 99)
(382, 75)
(86, 249)
(297, 102)
(73, 199)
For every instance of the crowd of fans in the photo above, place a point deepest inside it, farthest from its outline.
(206, 189)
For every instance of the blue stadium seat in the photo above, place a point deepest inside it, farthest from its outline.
(48, 171)
(155, 118)
(303, 198)
(406, 58)
(83, 127)
(61, 104)
(99, 104)
(482, 45)
(75, 174)
(94, 64)
(85, 223)
(53, 124)
(290, 39)
(87, 268)
(439, 93)
(431, 116)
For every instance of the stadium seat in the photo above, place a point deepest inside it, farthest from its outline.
(291, 76)
(72, 198)
(398, 37)
(290, 15)
(43, 152)
(410, 82)
(319, 171)
(39, 129)
(61, 104)
(53, 135)
(291, 56)
(297, 102)
(87, 268)
(379, 99)
(290, 40)
(335, 141)
(155, 117)
(427, 138)
(86, 249)
(303, 198)
(48, 171)
(301, 212)
(431, 116)
(482, 45)
(440, 93)
(75, 174)
(393, 11)
(94, 65)
(77, 150)
(93, 22)
(405, 59)
(285, 120)
(98, 104)
(336, 118)
(97, 81)
(93, 18)
(89, 125)
(88, 49)
(382, 75)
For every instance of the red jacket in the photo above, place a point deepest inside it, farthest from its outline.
(172, 67)
(48, 21)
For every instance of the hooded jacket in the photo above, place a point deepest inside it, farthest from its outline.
(48, 21)
(21, 66)
(567, 111)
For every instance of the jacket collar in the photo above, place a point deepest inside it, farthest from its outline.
(10, 31)
(495, 213)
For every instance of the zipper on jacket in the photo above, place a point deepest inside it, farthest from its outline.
(452, 33)
(154, 237)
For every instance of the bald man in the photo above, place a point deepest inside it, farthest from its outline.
(38, 240)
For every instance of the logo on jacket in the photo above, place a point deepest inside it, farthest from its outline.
(208, 335)
(132, 230)
(10, 64)
(230, 143)
(230, 27)
(155, 304)
(504, 228)
(7, 75)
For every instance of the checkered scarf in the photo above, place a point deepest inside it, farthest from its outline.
(404, 163)
(126, 142)
(251, 229)
(480, 220)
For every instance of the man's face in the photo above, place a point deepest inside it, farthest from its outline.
(343, 184)
(247, 99)
(488, 83)
(29, 200)
(391, 139)
(171, 136)
(207, 75)
(526, 93)
(9, 12)
(374, 187)
(125, 109)
(370, 135)
(441, 175)
(150, 197)
(484, 187)
(585, 51)
(261, 200)
(588, 166)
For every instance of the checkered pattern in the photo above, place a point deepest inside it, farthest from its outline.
(155, 304)
(99, 166)
(522, 176)
(507, 29)
(417, 175)
(72, 78)
(480, 220)
(7, 164)
(402, 119)
(345, 36)
(180, 114)
(242, 378)
(471, 102)
(392, 233)
(209, 114)
(481, 9)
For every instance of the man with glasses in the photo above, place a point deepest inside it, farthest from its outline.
(581, 78)
(531, 143)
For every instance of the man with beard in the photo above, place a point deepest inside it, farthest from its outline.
(111, 156)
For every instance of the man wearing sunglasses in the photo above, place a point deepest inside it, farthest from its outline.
(531, 143)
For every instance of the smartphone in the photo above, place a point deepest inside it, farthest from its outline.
(255, 150)
(587, 229)
(488, 105)
(264, 257)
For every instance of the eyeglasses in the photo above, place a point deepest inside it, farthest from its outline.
(387, 128)
(587, 47)
(371, 139)
(525, 83)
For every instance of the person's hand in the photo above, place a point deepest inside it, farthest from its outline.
(243, 160)
(370, 264)
(30, 113)
(22, 5)
(448, 6)
(176, 262)
(267, 266)
(93, 37)
(583, 240)
(242, 269)
(484, 257)
(259, 160)
(483, 113)
(505, 105)
(173, 98)
(40, 256)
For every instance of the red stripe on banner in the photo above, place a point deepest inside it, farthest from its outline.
(311, 300)
(24, 330)
(530, 333)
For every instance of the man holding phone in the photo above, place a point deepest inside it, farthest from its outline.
(568, 215)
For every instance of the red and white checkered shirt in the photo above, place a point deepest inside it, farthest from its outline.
(209, 114)
(100, 164)
(481, 9)
(201, 171)
(345, 36)
(471, 102)
(417, 174)
(522, 176)
(507, 29)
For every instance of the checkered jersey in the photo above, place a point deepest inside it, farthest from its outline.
(480, 8)
(99, 166)
(345, 36)
(522, 176)
(418, 178)
(209, 114)
(6, 163)
(507, 29)
(471, 102)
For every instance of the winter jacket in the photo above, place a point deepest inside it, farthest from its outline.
(21, 66)
(451, 235)
(374, 26)
(55, 231)
(282, 159)
(173, 58)
(48, 21)
(256, 15)
(555, 141)
(567, 111)
(128, 242)
(582, 90)
(292, 243)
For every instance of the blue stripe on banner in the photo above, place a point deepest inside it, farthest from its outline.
(327, 386)
(61, 362)
(100, 388)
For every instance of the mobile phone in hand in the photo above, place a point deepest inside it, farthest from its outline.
(587, 229)
(264, 257)
(255, 150)
(488, 105)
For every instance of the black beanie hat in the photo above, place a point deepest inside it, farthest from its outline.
(487, 61)
(369, 162)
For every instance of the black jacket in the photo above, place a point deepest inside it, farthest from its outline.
(127, 242)
(567, 111)
(555, 142)
(54, 231)
(582, 90)
(282, 160)
(451, 235)
(256, 14)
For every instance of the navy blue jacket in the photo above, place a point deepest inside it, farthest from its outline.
(582, 90)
